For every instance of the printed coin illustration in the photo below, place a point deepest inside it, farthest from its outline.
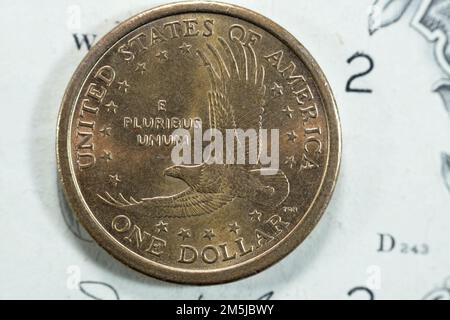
(198, 142)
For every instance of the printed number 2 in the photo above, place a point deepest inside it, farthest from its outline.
(370, 295)
(349, 87)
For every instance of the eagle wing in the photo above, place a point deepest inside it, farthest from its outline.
(237, 85)
(187, 203)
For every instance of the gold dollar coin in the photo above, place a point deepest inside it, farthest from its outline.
(198, 142)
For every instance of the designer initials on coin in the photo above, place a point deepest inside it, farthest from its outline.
(198, 142)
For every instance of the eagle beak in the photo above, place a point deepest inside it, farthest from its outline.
(171, 172)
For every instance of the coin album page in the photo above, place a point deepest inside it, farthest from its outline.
(385, 231)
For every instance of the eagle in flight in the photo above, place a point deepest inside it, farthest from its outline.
(235, 79)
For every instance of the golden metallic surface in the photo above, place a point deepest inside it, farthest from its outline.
(162, 69)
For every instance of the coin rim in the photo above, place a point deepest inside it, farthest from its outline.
(158, 270)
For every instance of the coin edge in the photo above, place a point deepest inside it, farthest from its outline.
(231, 273)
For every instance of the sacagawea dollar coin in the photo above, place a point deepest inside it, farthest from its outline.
(198, 142)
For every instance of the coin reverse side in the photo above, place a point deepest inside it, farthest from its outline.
(185, 66)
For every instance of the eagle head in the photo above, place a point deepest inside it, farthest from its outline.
(189, 174)
(173, 171)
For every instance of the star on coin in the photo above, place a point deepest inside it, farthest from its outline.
(288, 111)
(162, 55)
(277, 90)
(209, 233)
(184, 233)
(234, 227)
(141, 67)
(290, 161)
(107, 156)
(292, 136)
(114, 179)
(161, 226)
(111, 107)
(105, 131)
(255, 215)
(123, 85)
(185, 48)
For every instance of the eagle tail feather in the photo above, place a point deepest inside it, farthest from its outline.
(275, 187)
